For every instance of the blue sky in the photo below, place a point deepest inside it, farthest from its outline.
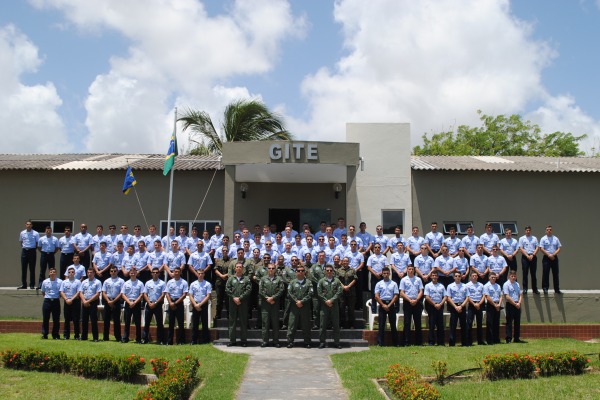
(78, 76)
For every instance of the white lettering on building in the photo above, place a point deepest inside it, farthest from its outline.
(294, 152)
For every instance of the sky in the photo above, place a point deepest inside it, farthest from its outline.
(106, 76)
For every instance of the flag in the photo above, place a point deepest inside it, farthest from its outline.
(129, 181)
(171, 153)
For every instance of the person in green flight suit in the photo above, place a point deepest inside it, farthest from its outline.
(348, 278)
(315, 274)
(270, 291)
(300, 292)
(238, 289)
(329, 290)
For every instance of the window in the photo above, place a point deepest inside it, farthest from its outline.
(499, 227)
(460, 226)
(200, 225)
(390, 219)
(58, 227)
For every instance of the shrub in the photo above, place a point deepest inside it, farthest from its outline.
(159, 365)
(407, 384)
(440, 368)
(508, 366)
(175, 382)
(567, 363)
(35, 360)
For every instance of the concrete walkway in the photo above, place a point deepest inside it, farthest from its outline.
(290, 374)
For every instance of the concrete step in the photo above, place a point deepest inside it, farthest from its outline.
(345, 343)
(345, 334)
(224, 323)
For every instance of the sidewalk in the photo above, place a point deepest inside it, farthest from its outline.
(290, 374)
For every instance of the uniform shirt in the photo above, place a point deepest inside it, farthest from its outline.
(470, 243)
(149, 240)
(474, 291)
(167, 240)
(126, 238)
(355, 259)
(96, 241)
(128, 262)
(117, 258)
(273, 253)
(453, 244)
(338, 232)
(461, 264)
(183, 241)
(359, 241)
(155, 289)
(192, 243)
(489, 240)
(66, 244)
(133, 289)
(29, 239)
(79, 271)
(424, 264)
(304, 250)
(382, 240)
(411, 286)
(434, 240)
(83, 240)
(528, 243)
(208, 246)
(496, 264)
(436, 292)
(112, 287)
(216, 241)
(329, 253)
(111, 243)
(513, 290)
(479, 262)
(48, 244)
(386, 290)
(135, 241)
(414, 242)
(393, 243)
(548, 243)
(377, 262)
(509, 246)
(401, 261)
(140, 260)
(176, 288)
(267, 238)
(287, 258)
(102, 260)
(494, 291)
(90, 287)
(342, 250)
(366, 238)
(175, 260)
(51, 288)
(70, 287)
(199, 261)
(457, 292)
(445, 264)
(199, 290)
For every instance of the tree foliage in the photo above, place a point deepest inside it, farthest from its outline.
(243, 121)
(500, 136)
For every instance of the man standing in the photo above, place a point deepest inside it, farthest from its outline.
(329, 290)
(67, 249)
(528, 245)
(375, 265)
(51, 291)
(411, 291)
(300, 292)
(199, 261)
(475, 309)
(497, 264)
(69, 291)
(347, 277)
(550, 247)
(489, 239)
(101, 262)
(154, 295)
(174, 259)
(29, 241)
(111, 296)
(270, 291)
(414, 243)
(238, 288)
(494, 297)
(132, 293)
(470, 242)
(315, 274)
(514, 299)
(83, 244)
(435, 298)
(199, 296)
(509, 248)
(456, 296)
(434, 240)
(89, 292)
(424, 264)
(176, 290)
(48, 246)
(392, 244)
(452, 242)
(386, 295)
(444, 265)
(221, 276)
(479, 264)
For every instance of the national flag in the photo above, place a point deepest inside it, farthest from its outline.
(129, 181)
(171, 153)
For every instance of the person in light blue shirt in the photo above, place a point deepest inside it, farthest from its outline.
(176, 292)
(509, 248)
(29, 240)
(340, 229)
(470, 243)
(47, 246)
(380, 238)
(79, 270)
(216, 240)
(386, 296)
(136, 238)
(479, 263)
(128, 261)
(411, 291)
(111, 298)
(452, 242)
(514, 299)
(51, 291)
(111, 239)
(461, 264)
(434, 240)
(174, 259)
(475, 309)
(132, 293)
(117, 257)
(69, 291)
(444, 265)
(154, 295)
(414, 243)
(392, 244)
(101, 261)
(89, 293)
(124, 236)
(140, 262)
(398, 262)
(375, 265)
(199, 294)
(151, 238)
(550, 247)
(67, 249)
(97, 238)
(488, 239)
(199, 261)
(424, 264)
(494, 297)
(83, 244)
(158, 258)
(496, 263)
(435, 298)
(456, 297)
(367, 239)
(353, 236)
(529, 247)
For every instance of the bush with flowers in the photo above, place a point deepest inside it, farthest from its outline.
(566, 363)
(523, 366)
(175, 381)
(406, 383)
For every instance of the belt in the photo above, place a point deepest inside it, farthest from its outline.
(47, 252)
(28, 249)
(49, 299)
(386, 301)
(66, 254)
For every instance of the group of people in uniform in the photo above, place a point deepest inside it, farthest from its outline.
(315, 279)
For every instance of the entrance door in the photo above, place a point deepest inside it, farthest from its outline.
(298, 216)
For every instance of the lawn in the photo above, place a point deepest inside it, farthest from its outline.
(358, 369)
(220, 372)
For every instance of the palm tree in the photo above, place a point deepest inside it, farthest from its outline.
(243, 121)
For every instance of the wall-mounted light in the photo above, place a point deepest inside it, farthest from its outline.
(243, 189)
(337, 188)
(362, 163)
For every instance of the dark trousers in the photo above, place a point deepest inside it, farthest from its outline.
(412, 313)
(381, 319)
(360, 287)
(513, 315)
(238, 314)
(87, 314)
(112, 314)
(200, 316)
(72, 312)
(492, 322)
(455, 318)
(512, 264)
(28, 257)
(474, 314)
(157, 312)
(176, 315)
(374, 281)
(66, 259)
(85, 259)
(221, 297)
(47, 261)
(51, 307)
(529, 267)
(270, 320)
(547, 266)
(301, 315)
(347, 303)
(136, 313)
(436, 324)
(330, 316)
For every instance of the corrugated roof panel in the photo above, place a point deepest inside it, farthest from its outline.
(493, 160)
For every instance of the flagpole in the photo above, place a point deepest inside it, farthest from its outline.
(171, 182)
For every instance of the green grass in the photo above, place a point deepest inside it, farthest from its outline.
(220, 372)
(358, 369)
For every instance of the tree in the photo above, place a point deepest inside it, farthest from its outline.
(500, 136)
(243, 121)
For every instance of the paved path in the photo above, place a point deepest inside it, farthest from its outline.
(290, 374)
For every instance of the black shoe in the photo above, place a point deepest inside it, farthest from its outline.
(65, 337)
(545, 291)
(124, 340)
(520, 341)
(322, 346)
(22, 287)
(277, 345)
(508, 340)
(308, 346)
(107, 339)
(138, 342)
(524, 291)
(244, 344)
(193, 342)
(315, 328)
(290, 345)
(338, 346)
(180, 343)
(32, 287)
(144, 341)
(55, 337)
(284, 327)
(263, 344)
(535, 291)
(38, 288)
(44, 336)
(77, 337)
(95, 340)
(558, 292)
(482, 344)
(230, 344)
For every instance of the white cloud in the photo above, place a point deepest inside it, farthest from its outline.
(176, 50)
(28, 114)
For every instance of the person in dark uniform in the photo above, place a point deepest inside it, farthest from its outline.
(300, 292)
(270, 291)
(238, 289)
